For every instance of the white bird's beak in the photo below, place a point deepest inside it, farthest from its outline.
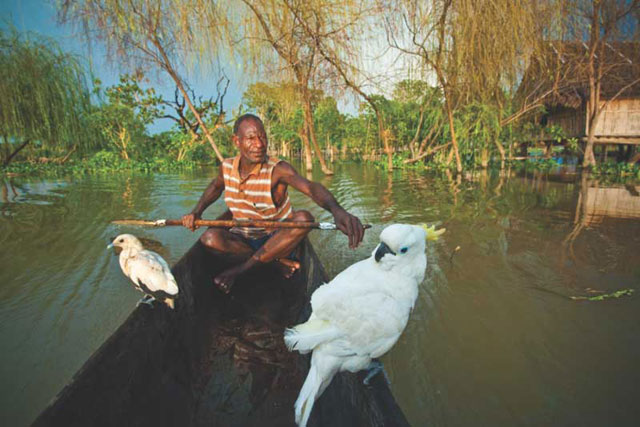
(110, 246)
(382, 250)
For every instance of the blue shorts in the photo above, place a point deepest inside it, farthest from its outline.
(260, 241)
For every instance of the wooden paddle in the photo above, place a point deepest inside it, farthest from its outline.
(231, 223)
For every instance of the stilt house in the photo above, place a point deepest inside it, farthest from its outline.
(562, 78)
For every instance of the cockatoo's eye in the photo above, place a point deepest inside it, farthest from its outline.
(404, 250)
(121, 240)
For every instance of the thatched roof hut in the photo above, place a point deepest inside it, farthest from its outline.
(560, 75)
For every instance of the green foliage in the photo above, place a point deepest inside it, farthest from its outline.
(359, 132)
(573, 146)
(100, 162)
(613, 295)
(555, 133)
(279, 107)
(478, 128)
(120, 120)
(536, 164)
(145, 103)
(329, 122)
(103, 160)
(44, 97)
(611, 171)
(398, 162)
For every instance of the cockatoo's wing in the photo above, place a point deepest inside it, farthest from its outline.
(370, 320)
(370, 323)
(149, 268)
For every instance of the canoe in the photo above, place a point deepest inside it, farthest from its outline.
(216, 360)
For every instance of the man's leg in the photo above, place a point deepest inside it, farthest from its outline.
(224, 242)
(278, 247)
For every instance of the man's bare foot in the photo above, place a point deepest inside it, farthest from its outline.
(225, 280)
(287, 267)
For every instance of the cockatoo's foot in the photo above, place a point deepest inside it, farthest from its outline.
(373, 369)
(287, 267)
(147, 299)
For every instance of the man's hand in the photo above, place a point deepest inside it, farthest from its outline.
(349, 225)
(189, 221)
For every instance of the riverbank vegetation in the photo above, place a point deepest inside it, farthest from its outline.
(476, 92)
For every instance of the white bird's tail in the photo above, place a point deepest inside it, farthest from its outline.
(316, 382)
(307, 336)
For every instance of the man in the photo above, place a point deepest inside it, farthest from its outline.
(256, 188)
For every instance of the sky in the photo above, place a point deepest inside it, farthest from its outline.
(40, 16)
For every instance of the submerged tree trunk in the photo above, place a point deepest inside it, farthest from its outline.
(304, 135)
(452, 129)
(382, 132)
(308, 117)
(66, 157)
(16, 151)
(484, 157)
(503, 154)
(412, 145)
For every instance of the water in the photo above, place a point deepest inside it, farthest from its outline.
(494, 337)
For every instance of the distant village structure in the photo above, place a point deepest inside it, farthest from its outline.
(565, 87)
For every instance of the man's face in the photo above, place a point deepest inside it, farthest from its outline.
(251, 140)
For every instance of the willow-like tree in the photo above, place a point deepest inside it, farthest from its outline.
(336, 30)
(151, 34)
(476, 49)
(272, 24)
(43, 95)
(423, 30)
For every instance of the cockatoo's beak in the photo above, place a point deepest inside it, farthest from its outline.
(110, 246)
(382, 250)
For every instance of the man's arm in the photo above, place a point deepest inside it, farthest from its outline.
(210, 195)
(347, 223)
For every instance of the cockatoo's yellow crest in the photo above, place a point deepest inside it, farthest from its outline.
(432, 233)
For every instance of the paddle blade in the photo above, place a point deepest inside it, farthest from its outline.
(139, 222)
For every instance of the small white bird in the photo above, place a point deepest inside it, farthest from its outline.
(147, 270)
(361, 313)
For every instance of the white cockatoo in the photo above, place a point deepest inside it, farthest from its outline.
(361, 313)
(147, 270)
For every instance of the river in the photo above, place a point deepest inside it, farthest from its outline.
(495, 337)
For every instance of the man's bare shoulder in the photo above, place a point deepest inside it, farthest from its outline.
(284, 168)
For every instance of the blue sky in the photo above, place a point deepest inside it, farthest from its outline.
(40, 16)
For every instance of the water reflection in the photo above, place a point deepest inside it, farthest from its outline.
(493, 338)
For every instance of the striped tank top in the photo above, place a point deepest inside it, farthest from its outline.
(250, 198)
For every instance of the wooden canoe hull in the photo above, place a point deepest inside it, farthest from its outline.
(216, 360)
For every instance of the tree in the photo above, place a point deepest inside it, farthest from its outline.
(421, 110)
(211, 112)
(125, 111)
(422, 29)
(281, 110)
(43, 95)
(474, 49)
(606, 21)
(146, 33)
(331, 29)
(329, 123)
(280, 30)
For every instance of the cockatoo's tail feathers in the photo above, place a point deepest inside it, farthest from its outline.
(309, 392)
(306, 336)
(432, 233)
